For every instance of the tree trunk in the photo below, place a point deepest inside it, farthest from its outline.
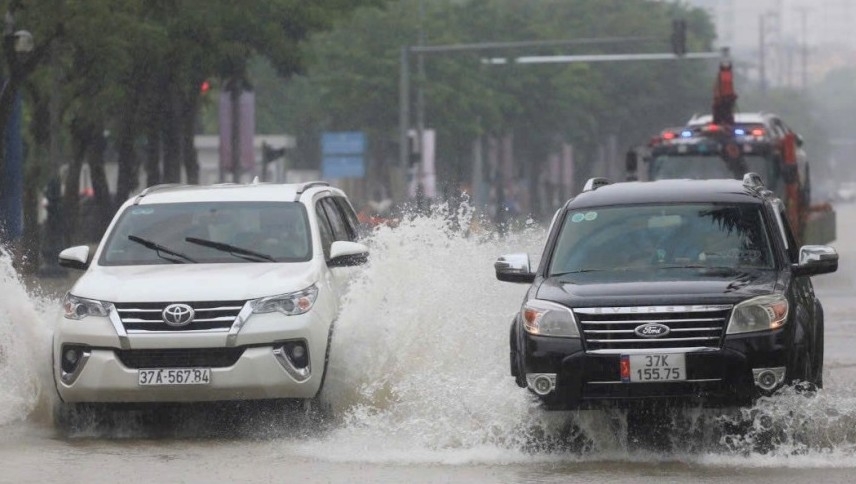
(34, 173)
(172, 137)
(189, 155)
(103, 201)
(153, 153)
(71, 198)
(129, 165)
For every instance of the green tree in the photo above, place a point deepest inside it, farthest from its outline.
(354, 74)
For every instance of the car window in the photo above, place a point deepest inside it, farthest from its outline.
(649, 237)
(787, 233)
(279, 230)
(350, 218)
(337, 223)
(324, 229)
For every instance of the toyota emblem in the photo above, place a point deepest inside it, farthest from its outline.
(178, 315)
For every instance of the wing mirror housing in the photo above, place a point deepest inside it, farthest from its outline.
(76, 257)
(344, 253)
(514, 268)
(815, 260)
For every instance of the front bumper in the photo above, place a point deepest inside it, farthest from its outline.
(714, 377)
(259, 369)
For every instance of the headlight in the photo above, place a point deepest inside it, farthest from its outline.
(290, 304)
(758, 314)
(79, 308)
(548, 319)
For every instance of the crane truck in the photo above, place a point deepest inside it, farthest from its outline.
(729, 144)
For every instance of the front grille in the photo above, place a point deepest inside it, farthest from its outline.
(210, 315)
(180, 358)
(612, 330)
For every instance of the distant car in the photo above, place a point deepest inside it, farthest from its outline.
(207, 293)
(846, 192)
(672, 290)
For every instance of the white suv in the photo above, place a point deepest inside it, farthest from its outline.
(203, 293)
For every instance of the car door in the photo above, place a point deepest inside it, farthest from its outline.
(805, 307)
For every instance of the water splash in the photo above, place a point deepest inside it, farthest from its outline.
(24, 345)
(419, 374)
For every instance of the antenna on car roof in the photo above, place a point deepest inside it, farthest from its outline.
(594, 183)
(255, 180)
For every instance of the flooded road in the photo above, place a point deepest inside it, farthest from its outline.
(420, 392)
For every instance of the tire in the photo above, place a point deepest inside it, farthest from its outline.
(64, 416)
(69, 417)
(818, 358)
(517, 370)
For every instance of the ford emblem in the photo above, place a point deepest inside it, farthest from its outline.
(652, 330)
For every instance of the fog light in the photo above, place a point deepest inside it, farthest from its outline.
(541, 383)
(294, 358)
(768, 379)
(72, 360)
(72, 356)
(297, 352)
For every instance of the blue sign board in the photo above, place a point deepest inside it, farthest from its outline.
(342, 154)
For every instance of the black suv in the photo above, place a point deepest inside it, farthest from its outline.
(685, 290)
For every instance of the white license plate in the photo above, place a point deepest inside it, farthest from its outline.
(175, 376)
(656, 367)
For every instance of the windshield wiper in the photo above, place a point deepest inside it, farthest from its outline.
(231, 249)
(578, 271)
(159, 248)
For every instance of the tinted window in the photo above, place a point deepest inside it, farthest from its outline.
(276, 229)
(349, 216)
(337, 223)
(324, 229)
(651, 237)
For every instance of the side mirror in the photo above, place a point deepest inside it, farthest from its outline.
(816, 259)
(514, 268)
(75, 257)
(799, 140)
(344, 253)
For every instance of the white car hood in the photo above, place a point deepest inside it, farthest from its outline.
(194, 282)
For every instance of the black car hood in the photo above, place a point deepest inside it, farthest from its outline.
(661, 287)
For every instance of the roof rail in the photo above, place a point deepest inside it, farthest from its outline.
(753, 180)
(154, 188)
(594, 183)
(306, 186)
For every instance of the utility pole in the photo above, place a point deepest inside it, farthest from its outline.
(420, 109)
(762, 46)
(804, 57)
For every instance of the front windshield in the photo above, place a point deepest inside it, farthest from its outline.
(646, 237)
(704, 167)
(273, 231)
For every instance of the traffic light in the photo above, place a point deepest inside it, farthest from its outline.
(679, 36)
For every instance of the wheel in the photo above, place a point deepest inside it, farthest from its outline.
(68, 417)
(818, 358)
(517, 370)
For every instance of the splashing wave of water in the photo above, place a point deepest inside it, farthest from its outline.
(419, 372)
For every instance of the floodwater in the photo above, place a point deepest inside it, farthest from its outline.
(419, 391)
